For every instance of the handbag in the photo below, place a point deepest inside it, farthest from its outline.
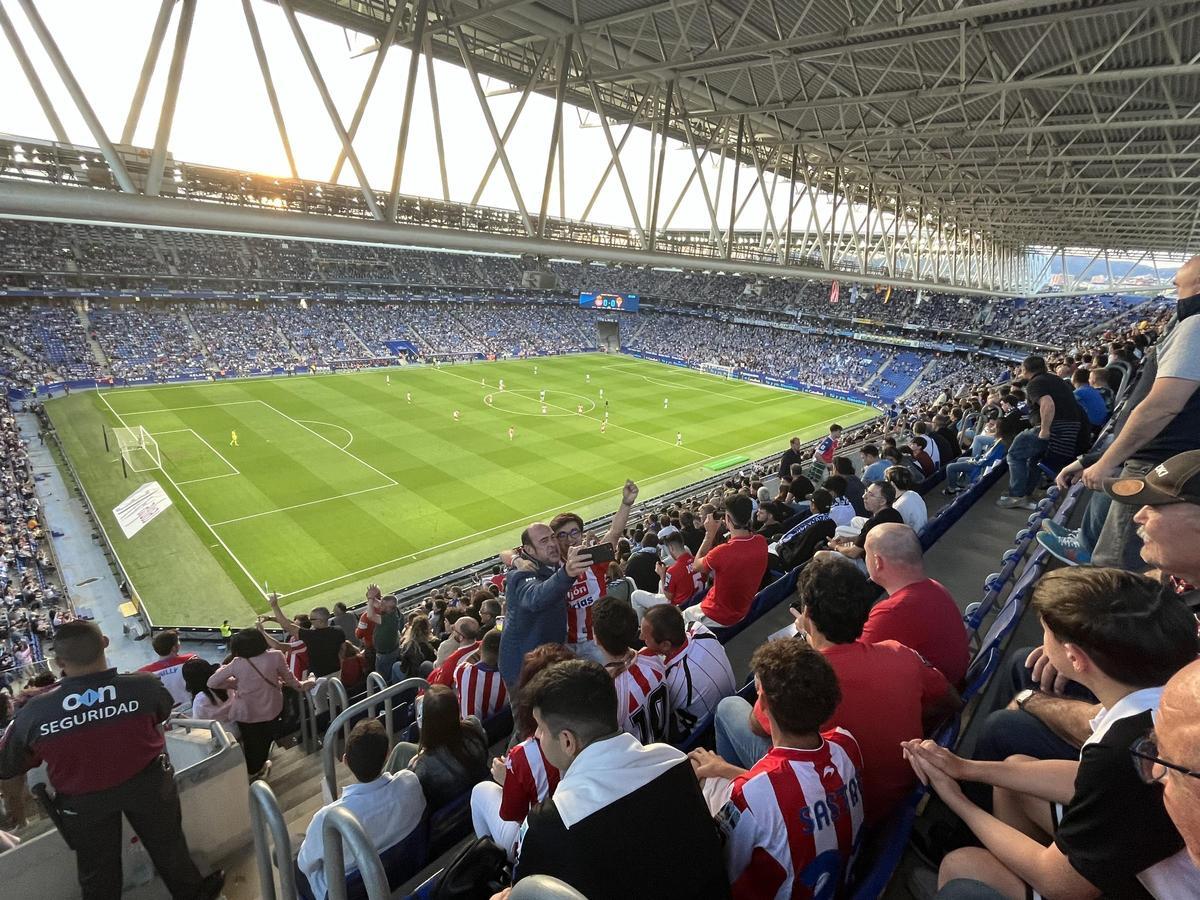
(288, 720)
(479, 871)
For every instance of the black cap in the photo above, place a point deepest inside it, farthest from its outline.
(1175, 481)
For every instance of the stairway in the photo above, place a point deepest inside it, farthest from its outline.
(870, 381)
(193, 334)
(916, 382)
(97, 352)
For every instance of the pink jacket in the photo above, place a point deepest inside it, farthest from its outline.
(257, 681)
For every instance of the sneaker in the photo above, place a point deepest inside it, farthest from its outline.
(951, 491)
(1007, 502)
(1059, 531)
(1065, 549)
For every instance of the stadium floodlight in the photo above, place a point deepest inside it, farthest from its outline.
(138, 448)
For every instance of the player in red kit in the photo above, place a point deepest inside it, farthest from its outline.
(592, 584)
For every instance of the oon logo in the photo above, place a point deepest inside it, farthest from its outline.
(90, 697)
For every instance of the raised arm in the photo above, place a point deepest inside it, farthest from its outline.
(271, 642)
(284, 622)
(621, 516)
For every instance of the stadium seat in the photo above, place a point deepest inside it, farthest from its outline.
(400, 863)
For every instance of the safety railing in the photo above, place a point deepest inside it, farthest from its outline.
(272, 844)
(339, 828)
(377, 685)
(343, 719)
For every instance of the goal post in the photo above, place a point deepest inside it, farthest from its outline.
(138, 448)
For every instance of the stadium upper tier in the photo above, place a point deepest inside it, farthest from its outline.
(50, 258)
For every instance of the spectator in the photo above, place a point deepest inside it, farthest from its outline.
(918, 612)
(417, 652)
(347, 621)
(169, 665)
(1098, 379)
(791, 457)
(946, 437)
(389, 806)
(464, 632)
(930, 447)
(1090, 400)
(481, 691)
(799, 543)
(1172, 755)
(207, 703)
(1121, 636)
(255, 673)
(823, 453)
(1055, 437)
(737, 565)
(677, 582)
(451, 756)
(536, 592)
(523, 778)
(889, 692)
(961, 473)
(698, 673)
(873, 466)
(383, 623)
(879, 499)
(352, 669)
(643, 563)
(923, 460)
(106, 761)
(489, 611)
(598, 810)
(323, 641)
(1165, 421)
(854, 487)
(769, 520)
(841, 510)
(800, 808)
(591, 584)
(909, 503)
(643, 699)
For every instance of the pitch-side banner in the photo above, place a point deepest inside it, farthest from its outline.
(139, 508)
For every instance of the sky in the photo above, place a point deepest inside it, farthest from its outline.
(223, 117)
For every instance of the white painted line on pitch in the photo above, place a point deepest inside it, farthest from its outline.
(216, 451)
(648, 437)
(147, 412)
(210, 478)
(331, 425)
(693, 372)
(391, 481)
(271, 512)
(189, 502)
(533, 517)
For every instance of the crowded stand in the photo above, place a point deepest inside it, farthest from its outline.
(767, 677)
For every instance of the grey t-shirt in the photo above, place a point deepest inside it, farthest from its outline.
(1178, 356)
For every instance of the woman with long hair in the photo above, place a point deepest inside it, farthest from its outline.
(207, 703)
(524, 776)
(257, 674)
(417, 653)
(451, 754)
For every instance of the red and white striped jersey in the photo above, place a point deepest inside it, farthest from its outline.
(699, 677)
(529, 778)
(793, 822)
(643, 700)
(589, 587)
(481, 690)
(296, 658)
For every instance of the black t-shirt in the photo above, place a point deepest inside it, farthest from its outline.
(1066, 408)
(323, 645)
(693, 538)
(887, 514)
(1116, 825)
(801, 488)
(641, 569)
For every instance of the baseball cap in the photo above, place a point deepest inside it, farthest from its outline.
(666, 533)
(1175, 481)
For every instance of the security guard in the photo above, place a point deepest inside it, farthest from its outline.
(99, 734)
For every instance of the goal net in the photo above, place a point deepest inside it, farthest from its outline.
(138, 448)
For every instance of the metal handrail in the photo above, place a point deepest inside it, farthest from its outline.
(375, 685)
(328, 754)
(340, 826)
(219, 735)
(267, 819)
(338, 701)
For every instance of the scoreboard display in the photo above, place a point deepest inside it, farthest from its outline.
(623, 302)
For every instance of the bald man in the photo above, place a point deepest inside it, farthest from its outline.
(918, 612)
(1177, 735)
(1165, 421)
(536, 593)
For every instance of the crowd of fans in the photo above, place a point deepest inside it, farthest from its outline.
(607, 649)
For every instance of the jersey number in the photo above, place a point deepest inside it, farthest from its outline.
(652, 718)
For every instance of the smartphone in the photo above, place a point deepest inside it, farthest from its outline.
(602, 553)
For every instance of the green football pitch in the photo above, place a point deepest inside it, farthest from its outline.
(338, 480)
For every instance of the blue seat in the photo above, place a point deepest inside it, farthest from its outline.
(449, 824)
(884, 848)
(400, 863)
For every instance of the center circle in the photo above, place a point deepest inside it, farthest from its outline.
(528, 404)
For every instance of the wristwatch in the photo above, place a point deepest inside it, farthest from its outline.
(1023, 697)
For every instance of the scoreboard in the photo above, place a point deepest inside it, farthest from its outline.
(623, 302)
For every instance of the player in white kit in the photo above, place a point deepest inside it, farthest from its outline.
(456, 415)
(679, 439)
(511, 432)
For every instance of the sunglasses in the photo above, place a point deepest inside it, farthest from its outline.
(1146, 760)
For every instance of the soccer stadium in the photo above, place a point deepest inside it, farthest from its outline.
(519, 449)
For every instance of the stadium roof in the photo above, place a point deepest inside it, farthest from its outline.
(1069, 123)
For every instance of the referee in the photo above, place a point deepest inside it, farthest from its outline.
(99, 734)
